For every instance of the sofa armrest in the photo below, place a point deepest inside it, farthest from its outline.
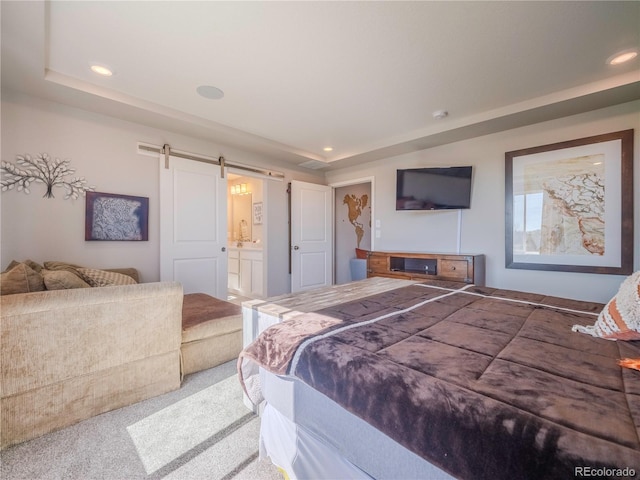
(51, 336)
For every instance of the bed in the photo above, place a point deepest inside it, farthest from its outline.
(437, 380)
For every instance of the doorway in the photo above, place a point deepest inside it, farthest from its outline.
(353, 214)
(246, 244)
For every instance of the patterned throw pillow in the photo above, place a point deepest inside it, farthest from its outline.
(620, 318)
(103, 278)
(62, 280)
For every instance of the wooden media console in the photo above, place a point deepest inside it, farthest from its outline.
(418, 266)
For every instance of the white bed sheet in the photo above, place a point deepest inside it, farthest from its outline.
(311, 437)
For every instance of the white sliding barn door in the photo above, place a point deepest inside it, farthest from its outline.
(193, 226)
(311, 236)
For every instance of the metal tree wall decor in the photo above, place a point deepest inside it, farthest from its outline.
(42, 169)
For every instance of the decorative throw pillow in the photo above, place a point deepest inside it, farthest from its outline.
(69, 267)
(103, 278)
(62, 279)
(620, 318)
(14, 280)
(131, 272)
(20, 278)
(11, 265)
(34, 265)
(36, 282)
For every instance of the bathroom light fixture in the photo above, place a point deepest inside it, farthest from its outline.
(240, 189)
(622, 57)
(328, 149)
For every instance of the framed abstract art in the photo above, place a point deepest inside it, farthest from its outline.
(110, 216)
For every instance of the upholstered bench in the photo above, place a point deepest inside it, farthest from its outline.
(211, 332)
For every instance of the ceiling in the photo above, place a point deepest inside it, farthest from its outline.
(362, 77)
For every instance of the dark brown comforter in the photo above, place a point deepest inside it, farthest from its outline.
(484, 383)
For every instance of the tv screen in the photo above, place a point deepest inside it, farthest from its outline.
(433, 188)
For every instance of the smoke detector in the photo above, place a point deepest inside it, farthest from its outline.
(440, 114)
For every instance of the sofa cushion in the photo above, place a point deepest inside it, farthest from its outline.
(205, 316)
(104, 278)
(20, 278)
(62, 279)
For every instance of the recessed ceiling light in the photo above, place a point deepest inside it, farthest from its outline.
(101, 70)
(622, 57)
(212, 93)
(328, 149)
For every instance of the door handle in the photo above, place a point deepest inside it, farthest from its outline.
(296, 247)
(224, 249)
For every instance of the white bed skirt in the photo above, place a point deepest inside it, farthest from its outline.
(299, 453)
(311, 437)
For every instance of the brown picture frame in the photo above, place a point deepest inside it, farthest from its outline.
(598, 213)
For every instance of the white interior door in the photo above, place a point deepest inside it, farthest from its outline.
(193, 226)
(311, 236)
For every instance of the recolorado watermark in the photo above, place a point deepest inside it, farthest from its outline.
(587, 471)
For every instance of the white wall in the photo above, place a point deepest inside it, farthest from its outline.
(483, 226)
(104, 151)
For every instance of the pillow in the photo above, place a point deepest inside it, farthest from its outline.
(360, 253)
(11, 265)
(20, 278)
(103, 278)
(14, 280)
(62, 279)
(35, 266)
(620, 318)
(29, 263)
(131, 272)
(69, 267)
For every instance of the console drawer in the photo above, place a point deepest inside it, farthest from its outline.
(454, 269)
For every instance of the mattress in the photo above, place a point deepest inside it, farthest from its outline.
(310, 436)
(480, 382)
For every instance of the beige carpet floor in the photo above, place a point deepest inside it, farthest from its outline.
(201, 431)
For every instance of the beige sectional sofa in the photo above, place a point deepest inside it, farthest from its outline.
(70, 354)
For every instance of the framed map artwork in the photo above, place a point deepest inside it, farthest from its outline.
(569, 205)
(109, 216)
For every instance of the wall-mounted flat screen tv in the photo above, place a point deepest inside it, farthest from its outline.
(433, 188)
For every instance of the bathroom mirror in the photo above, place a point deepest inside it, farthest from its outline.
(241, 218)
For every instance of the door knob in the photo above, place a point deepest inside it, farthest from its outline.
(224, 249)
(296, 247)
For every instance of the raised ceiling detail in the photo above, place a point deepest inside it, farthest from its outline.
(366, 76)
